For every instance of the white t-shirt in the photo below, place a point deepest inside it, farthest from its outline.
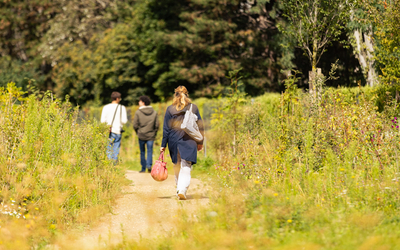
(120, 119)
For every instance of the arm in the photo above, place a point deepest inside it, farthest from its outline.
(200, 124)
(136, 122)
(103, 115)
(157, 124)
(124, 118)
(166, 129)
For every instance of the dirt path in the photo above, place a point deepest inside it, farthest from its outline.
(141, 209)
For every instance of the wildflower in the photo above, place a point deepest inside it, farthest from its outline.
(289, 221)
(275, 194)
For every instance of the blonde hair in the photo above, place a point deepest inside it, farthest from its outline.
(181, 98)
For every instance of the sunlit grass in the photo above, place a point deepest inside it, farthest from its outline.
(54, 173)
(302, 177)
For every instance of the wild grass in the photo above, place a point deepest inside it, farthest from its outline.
(54, 172)
(304, 173)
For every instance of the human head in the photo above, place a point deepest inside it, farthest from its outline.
(145, 99)
(115, 95)
(181, 98)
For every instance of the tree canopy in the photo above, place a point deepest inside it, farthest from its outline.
(86, 49)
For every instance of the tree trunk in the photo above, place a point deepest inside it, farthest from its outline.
(364, 49)
(315, 86)
(313, 73)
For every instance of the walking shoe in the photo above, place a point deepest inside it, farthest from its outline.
(142, 171)
(149, 170)
(181, 195)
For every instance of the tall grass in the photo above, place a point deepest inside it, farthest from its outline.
(53, 169)
(302, 175)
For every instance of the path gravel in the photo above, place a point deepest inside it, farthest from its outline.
(146, 209)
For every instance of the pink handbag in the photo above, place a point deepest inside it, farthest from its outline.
(159, 170)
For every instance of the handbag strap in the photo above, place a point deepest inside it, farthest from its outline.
(161, 156)
(114, 115)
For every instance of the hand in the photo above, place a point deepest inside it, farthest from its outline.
(199, 147)
(162, 149)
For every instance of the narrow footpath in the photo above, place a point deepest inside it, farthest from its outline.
(146, 209)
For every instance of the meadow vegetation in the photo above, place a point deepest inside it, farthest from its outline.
(303, 173)
(54, 173)
(287, 171)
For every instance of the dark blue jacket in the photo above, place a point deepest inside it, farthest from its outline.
(176, 138)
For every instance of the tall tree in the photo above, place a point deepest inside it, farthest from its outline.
(214, 37)
(316, 23)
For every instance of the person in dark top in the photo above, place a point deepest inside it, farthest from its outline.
(182, 148)
(145, 123)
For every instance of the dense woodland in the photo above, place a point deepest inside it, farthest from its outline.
(87, 48)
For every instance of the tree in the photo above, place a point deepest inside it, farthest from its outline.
(22, 25)
(215, 37)
(362, 40)
(386, 19)
(315, 24)
(76, 20)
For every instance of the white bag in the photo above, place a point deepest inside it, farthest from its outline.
(189, 125)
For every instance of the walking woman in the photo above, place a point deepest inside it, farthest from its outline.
(182, 148)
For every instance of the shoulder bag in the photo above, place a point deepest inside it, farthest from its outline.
(189, 125)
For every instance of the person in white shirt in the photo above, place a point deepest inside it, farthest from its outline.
(114, 114)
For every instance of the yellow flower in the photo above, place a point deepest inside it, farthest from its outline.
(275, 194)
(289, 221)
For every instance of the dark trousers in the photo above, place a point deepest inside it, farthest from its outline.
(146, 163)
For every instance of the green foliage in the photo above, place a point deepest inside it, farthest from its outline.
(219, 36)
(315, 24)
(92, 72)
(19, 72)
(387, 34)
